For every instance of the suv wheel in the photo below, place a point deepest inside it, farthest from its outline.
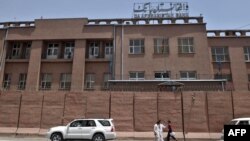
(56, 137)
(98, 137)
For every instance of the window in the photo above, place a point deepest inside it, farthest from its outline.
(16, 50)
(46, 81)
(188, 75)
(186, 45)
(228, 77)
(220, 54)
(78, 123)
(91, 123)
(52, 51)
(136, 75)
(247, 53)
(22, 81)
(161, 46)
(69, 50)
(65, 81)
(93, 49)
(108, 49)
(107, 77)
(27, 51)
(136, 46)
(104, 122)
(89, 81)
(162, 75)
(6, 81)
(243, 122)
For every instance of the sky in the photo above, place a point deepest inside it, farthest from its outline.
(218, 14)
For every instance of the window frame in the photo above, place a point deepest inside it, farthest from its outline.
(45, 83)
(163, 47)
(220, 57)
(186, 48)
(90, 81)
(7, 80)
(27, 51)
(227, 76)
(65, 81)
(188, 73)
(16, 50)
(133, 46)
(94, 49)
(69, 50)
(109, 48)
(247, 53)
(22, 81)
(162, 73)
(137, 75)
(52, 50)
(106, 78)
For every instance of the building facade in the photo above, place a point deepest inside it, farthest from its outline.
(83, 54)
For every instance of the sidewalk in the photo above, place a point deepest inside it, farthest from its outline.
(120, 135)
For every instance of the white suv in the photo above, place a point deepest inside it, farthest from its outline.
(237, 121)
(92, 129)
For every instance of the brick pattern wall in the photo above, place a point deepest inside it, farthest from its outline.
(203, 111)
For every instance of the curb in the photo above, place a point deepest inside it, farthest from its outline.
(37, 132)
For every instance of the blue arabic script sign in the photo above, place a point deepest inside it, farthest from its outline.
(160, 10)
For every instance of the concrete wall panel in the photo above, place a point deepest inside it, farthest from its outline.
(122, 111)
(145, 111)
(98, 105)
(52, 112)
(195, 114)
(219, 109)
(241, 104)
(169, 108)
(31, 108)
(9, 110)
(75, 107)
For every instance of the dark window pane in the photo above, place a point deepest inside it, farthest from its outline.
(104, 122)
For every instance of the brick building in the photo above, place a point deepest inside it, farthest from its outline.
(83, 54)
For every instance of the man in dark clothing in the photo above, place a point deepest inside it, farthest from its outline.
(170, 132)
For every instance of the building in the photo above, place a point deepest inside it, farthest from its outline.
(81, 54)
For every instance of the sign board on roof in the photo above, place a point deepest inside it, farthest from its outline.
(160, 10)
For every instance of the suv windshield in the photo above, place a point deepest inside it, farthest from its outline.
(104, 122)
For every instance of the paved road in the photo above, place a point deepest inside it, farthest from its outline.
(12, 138)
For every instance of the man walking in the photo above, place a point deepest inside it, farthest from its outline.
(158, 131)
(170, 132)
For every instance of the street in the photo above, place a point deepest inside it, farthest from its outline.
(28, 138)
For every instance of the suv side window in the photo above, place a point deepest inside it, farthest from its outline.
(104, 122)
(244, 122)
(77, 123)
(90, 123)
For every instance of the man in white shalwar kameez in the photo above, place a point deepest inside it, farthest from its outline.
(158, 131)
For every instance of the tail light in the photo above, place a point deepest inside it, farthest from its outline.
(112, 129)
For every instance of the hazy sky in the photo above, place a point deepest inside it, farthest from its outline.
(218, 14)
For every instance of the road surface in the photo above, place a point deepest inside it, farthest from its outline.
(27, 138)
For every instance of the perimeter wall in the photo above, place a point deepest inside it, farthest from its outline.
(131, 111)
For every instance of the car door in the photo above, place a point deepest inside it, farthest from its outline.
(75, 130)
(89, 129)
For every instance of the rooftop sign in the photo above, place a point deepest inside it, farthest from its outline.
(160, 10)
